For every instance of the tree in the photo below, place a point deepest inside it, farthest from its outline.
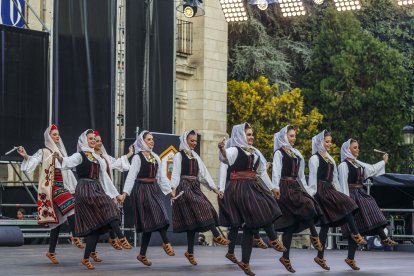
(359, 84)
(268, 110)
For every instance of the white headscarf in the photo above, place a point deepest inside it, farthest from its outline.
(280, 140)
(346, 152)
(238, 139)
(83, 143)
(318, 145)
(58, 147)
(140, 144)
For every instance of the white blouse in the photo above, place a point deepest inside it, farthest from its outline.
(277, 171)
(261, 172)
(134, 170)
(29, 165)
(107, 184)
(369, 170)
(203, 175)
(313, 176)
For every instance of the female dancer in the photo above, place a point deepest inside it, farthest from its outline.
(120, 164)
(300, 211)
(192, 212)
(54, 197)
(369, 218)
(337, 208)
(147, 187)
(250, 203)
(96, 212)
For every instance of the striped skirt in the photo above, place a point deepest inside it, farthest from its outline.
(62, 198)
(148, 207)
(93, 208)
(369, 216)
(192, 211)
(249, 203)
(334, 204)
(297, 206)
(225, 218)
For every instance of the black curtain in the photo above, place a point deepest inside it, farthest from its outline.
(23, 89)
(162, 65)
(84, 64)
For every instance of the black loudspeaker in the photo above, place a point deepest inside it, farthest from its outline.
(11, 236)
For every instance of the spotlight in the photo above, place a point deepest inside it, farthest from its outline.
(262, 4)
(191, 8)
(292, 8)
(405, 2)
(234, 10)
(347, 5)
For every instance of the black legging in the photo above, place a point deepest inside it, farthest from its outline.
(353, 246)
(247, 244)
(191, 237)
(232, 237)
(91, 242)
(54, 233)
(323, 234)
(115, 228)
(288, 235)
(146, 237)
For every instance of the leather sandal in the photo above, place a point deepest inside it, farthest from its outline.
(52, 257)
(389, 242)
(87, 263)
(95, 257)
(352, 264)
(246, 268)
(316, 242)
(115, 243)
(322, 263)
(144, 260)
(125, 244)
(168, 249)
(190, 257)
(277, 245)
(231, 257)
(78, 242)
(287, 264)
(260, 243)
(358, 239)
(221, 240)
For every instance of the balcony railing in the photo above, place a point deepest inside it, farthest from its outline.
(184, 38)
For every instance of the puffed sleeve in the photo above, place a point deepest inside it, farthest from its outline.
(313, 175)
(343, 172)
(204, 176)
(335, 180)
(277, 168)
(262, 173)
(32, 162)
(71, 161)
(222, 177)
(161, 176)
(176, 171)
(231, 154)
(132, 174)
(373, 170)
(120, 164)
(302, 177)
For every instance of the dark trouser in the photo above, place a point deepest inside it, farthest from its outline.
(54, 233)
(288, 234)
(146, 237)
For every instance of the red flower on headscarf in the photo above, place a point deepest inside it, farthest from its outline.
(53, 127)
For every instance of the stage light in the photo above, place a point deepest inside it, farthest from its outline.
(191, 8)
(347, 5)
(318, 2)
(405, 2)
(262, 4)
(234, 10)
(292, 8)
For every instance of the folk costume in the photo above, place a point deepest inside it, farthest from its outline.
(96, 211)
(55, 201)
(300, 211)
(337, 207)
(147, 186)
(117, 238)
(192, 212)
(248, 198)
(368, 218)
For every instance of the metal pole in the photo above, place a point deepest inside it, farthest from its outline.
(145, 86)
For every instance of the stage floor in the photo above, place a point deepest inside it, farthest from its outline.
(30, 260)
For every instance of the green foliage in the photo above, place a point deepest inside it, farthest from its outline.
(359, 84)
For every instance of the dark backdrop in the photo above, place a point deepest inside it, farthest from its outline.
(84, 78)
(23, 89)
(162, 65)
